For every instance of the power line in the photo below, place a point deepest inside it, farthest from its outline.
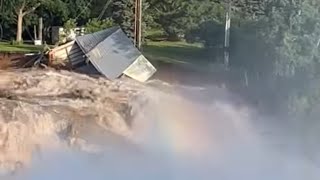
(84, 9)
(104, 9)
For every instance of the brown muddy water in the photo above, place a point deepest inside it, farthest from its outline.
(63, 125)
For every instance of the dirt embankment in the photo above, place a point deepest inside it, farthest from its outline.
(15, 60)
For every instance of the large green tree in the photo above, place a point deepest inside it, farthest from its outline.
(283, 44)
(54, 12)
(123, 14)
(298, 55)
(175, 17)
(79, 10)
(22, 8)
(6, 17)
(276, 42)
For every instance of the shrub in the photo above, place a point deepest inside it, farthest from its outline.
(210, 33)
(94, 25)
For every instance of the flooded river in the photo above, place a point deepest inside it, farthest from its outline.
(61, 125)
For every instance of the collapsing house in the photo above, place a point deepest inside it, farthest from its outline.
(109, 52)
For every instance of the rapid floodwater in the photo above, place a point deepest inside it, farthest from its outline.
(189, 133)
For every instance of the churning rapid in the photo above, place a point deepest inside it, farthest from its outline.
(62, 125)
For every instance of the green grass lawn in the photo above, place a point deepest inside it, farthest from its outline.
(175, 52)
(24, 48)
(163, 51)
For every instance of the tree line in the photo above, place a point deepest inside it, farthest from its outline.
(173, 17)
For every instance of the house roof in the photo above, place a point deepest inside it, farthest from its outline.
(110, 51)
(90, 41)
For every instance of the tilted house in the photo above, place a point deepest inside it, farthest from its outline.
(109, 52)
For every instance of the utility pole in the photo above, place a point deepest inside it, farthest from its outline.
(227, 35)
(138, 24)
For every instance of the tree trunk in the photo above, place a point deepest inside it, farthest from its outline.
(19, 27)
